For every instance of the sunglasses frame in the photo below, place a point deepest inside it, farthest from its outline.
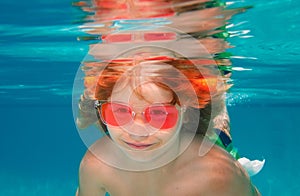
(99, 103)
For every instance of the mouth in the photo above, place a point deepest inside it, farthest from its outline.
(139, 146)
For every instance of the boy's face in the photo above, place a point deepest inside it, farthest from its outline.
(142, 134)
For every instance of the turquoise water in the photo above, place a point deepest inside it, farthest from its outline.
(40, 55)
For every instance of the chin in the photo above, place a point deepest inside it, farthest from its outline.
(142, 154)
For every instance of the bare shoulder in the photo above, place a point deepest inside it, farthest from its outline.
(226, 177)
(91, 176)
(90, 164)
(220, 174)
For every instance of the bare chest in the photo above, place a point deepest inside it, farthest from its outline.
(159, 183)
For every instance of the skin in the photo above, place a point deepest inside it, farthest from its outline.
(214, 174)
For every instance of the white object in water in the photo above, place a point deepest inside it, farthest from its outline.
(252, 167)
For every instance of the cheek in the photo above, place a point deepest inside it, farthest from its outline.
(165, 134)
(114, 132)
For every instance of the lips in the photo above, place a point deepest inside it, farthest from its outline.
(139, 146)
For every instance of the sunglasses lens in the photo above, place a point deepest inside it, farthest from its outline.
(115, 114)
(162, 117)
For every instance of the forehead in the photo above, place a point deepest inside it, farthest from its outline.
(144, 93)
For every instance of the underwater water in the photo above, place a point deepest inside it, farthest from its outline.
(40, 55)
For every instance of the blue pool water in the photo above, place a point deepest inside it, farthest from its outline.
(39, 57)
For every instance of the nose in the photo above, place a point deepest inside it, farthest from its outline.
(139, 118)
(138, 129)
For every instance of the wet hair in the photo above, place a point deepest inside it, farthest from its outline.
(179, 76)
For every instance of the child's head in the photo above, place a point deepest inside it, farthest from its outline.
(144, 104)
(141, 91)
(143, 107)
(193, 84)
(179, 80)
